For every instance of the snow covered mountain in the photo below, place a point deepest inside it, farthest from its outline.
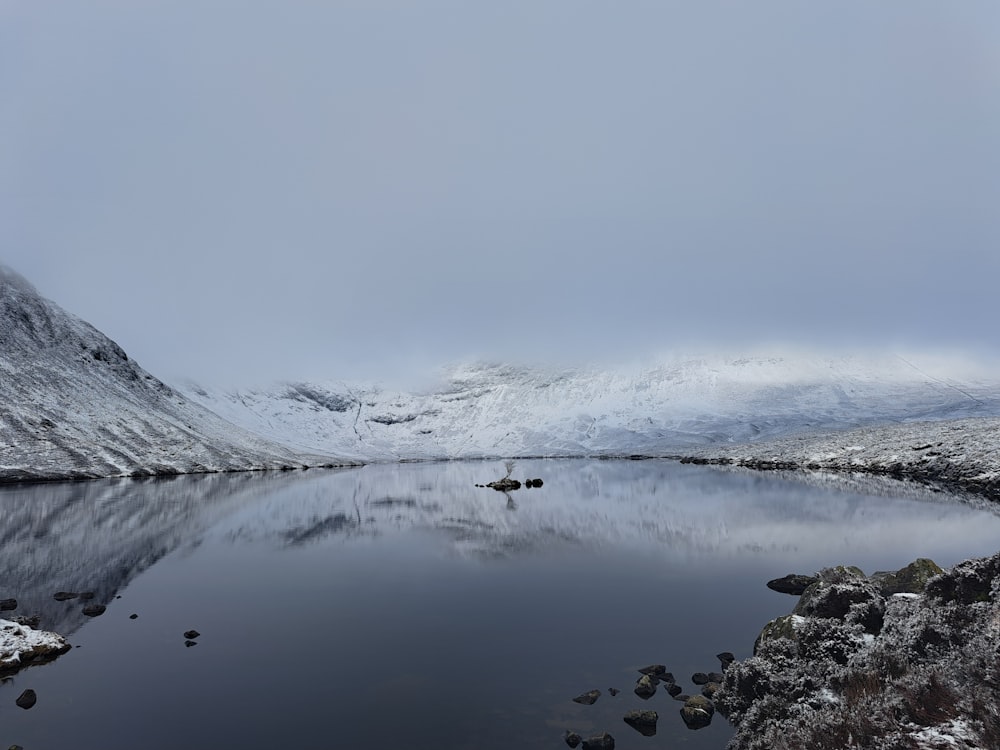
(73, 405)
(672, 406)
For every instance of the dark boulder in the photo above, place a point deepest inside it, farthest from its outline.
(27, 699)
(793, 583)
(505, 485)
(613, 691)
(94, 610)
(62, 596)
(909, 580)
(709, 689)
(646, 686)
(191, 634)
(726, 658)
(572, 738)
(588, 698)
(699, 678)
(697, 712)
(674, 689)
(6, 605)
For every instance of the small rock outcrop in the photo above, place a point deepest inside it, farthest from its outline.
(27, 699)
(572, 738)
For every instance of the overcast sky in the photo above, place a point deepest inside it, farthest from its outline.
(245, 190)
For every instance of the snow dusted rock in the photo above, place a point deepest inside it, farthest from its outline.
(73, 406)
(697, 712)
(20, 646)
(928, 678)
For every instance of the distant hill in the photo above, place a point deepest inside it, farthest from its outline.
(668, 407)
(73, 405)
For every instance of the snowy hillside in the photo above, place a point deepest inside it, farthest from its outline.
(73, 405)
(490, 410)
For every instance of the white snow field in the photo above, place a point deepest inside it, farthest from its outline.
(671, 407)
(73, 405)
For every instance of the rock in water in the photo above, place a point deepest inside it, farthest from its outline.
(62, 596)
(646, 687)
(26, 699)
(793, 583)
(653, 669)
(505, 485)
(572, 738)
(697, 712)
(599, 742)
(644, 722)
(588, 698)
(189, 634)
(7, 605)
(94, 610)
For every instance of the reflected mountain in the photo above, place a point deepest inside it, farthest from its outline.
(97, 536)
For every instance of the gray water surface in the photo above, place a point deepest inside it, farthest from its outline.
(400, 606)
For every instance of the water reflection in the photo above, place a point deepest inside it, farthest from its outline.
(403, 605)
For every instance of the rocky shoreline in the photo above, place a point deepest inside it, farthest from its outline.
(892, 661)
(956, 455)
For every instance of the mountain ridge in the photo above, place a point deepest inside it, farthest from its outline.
(74, 406)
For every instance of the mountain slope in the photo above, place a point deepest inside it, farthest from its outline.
(73, 405)
(490, 411)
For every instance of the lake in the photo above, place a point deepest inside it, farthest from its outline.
(400, 605)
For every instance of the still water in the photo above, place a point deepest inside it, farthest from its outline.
(400, 606)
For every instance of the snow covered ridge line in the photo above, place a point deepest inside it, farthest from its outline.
(894, 660)
(959, 454)
(674, 405)
(73, 405)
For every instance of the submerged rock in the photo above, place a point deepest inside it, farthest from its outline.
(644, 722)
(94, 610)
(62, 596)
(572, 738)
(599, 742)
(588, 698)
(7, 605)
